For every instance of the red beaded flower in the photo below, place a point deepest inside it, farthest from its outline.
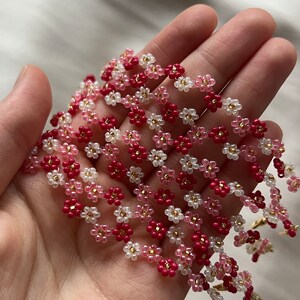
(167, 267)
(174, 71)
(220, 187)
(71, 168)
(213, 101)
(137, 116)
(169, 112)
(156, 229)
(114, 195)
(84, 134)
(222, 225)
(122, 232)
(219, 134)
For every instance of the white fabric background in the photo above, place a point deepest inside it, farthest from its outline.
(68, 39)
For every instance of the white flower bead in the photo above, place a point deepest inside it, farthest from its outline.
(289, 170)
(93, 150)
(189, 164)
(86, 104)
(174, 215)
(89, 174)
(237, 222)
(216, 243)
(135, 174)
(157, 157)
(55, 178)
(270, 180)
(266, 146)
(50, 145)
(113, 98)
(132, 250)
(143, 95)
(188, 116)
(65, 119)
(231, 106)
(231, 150)
(90, 214)
(123, 214)
(184, 83)
(175, 234)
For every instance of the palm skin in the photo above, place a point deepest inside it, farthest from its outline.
(43, 254)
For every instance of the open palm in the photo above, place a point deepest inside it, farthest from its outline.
(43, 254)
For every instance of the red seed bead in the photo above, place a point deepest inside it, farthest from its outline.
(252, 236)
(257, 172)
(203, 259)
(73, 107)
(183, 144)
(138, 80)
(71, 168)
(164, 196)
(106, 73)
(114, 196)
(213, 101)
(186, 181)
(222, 225)
(90, 77)
(55, 118)
(167, 267)
(219, 134)
(137, 152)
(174, 71)
(116, 170)
(156, 229)
(72, 208)
(201, 243)
(108, 122)
(131, 63)
(169, 112)
(50, 163)
(258, 199)
(137, 116)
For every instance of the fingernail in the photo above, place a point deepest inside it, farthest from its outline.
(21, 76)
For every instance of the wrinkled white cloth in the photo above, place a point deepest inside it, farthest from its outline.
(69, 39)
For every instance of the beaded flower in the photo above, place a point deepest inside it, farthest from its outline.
(165, 138)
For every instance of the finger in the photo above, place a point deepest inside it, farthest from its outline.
(230, 205)
(251, 84)
(172, 44)
(24, 113)
(218, 55)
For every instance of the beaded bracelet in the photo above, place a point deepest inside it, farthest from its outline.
(175, 206)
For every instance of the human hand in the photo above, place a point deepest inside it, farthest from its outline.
(43, 254)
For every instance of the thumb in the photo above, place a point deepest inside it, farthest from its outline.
(23, 116)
